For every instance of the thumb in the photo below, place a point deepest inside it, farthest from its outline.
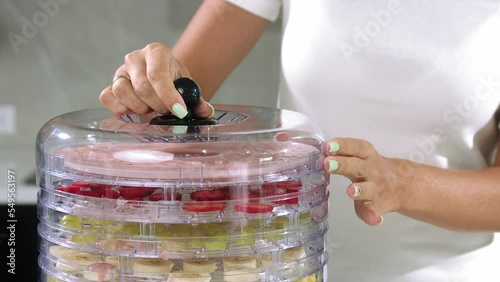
(366, 212)
(204, 109)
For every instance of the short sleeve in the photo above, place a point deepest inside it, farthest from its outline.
(267, 9)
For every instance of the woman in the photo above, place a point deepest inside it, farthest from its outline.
(420, 81)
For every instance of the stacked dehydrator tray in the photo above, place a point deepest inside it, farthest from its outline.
(239, 197)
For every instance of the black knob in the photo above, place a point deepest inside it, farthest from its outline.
(190, 92)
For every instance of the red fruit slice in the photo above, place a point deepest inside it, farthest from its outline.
(210, 195)
(79, 190)
(108, 192)
(289, 201)
(204, 206)
(69, 189)
(159, 196)
(254, 208)
(132, 193)
(244, 197)
(90, 192)
(81, 184)
(268, 192)
(96, 185)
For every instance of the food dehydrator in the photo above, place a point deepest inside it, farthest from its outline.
(241, 196)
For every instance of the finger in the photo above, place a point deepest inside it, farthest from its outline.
(112, 123)
(351, 167)
(204, 109)
(144, 90)
(124, 93)
(282, 136)
(111, 102)
(367, 213)
(159, 75)
(362, 191)
(350, 147)
(118, 123)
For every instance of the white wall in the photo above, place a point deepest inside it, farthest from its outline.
(65, 63)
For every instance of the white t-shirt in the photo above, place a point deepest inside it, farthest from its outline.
(421, 81)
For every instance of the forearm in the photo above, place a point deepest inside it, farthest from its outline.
(453, 199)
(497, 162)
(218, 37)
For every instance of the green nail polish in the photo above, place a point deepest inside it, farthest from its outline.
(334, 147)
(179, 110)
(180, 129)
(333, 165)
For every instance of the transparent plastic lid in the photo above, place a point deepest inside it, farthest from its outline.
(238, 144)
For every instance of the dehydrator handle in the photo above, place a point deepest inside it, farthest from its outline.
(191, 93)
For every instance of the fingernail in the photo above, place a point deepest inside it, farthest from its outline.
(333, 165)
(381, 220)
(357, 192)
(179, 110)
(180, 129)
(213, 110)
(334, 147)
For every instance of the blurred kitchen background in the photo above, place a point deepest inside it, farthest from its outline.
(57, 55)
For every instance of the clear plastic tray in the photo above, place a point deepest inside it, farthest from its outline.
(188, 205)
(305, 262)
(180, 240)
(316, 277)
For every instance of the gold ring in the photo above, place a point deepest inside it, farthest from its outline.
(118, 77)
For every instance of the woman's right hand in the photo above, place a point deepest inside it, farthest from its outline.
(144, 83)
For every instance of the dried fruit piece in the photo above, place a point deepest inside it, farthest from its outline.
(210, 195)
(133, 193)
(206, 206)
(254, 208)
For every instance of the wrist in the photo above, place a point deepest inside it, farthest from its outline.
(405, 173)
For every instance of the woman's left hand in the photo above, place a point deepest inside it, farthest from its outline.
(375, 178)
